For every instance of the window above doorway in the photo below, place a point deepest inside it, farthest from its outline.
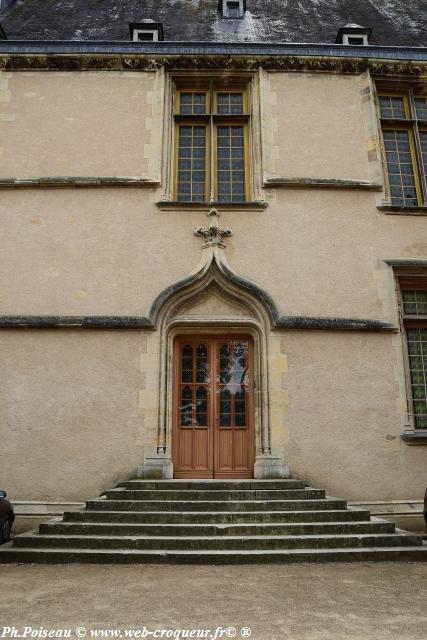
(211, 160)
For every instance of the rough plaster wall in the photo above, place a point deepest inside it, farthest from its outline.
(78, 124)
(342, 431)
(91, 397)
(110, 251)
(319, 252)
(78, 408)
(70, 413)
(99, 252)
(320, 129)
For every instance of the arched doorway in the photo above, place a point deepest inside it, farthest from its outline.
(216, 309)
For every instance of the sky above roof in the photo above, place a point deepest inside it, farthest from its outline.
(394, 22)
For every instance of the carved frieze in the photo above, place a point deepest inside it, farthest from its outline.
(146, 62)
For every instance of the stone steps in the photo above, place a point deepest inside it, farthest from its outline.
(210, 517)
(224, 543)
(213, 521)
(244, 529)
(216, 495)
(201, 485)
(218, 505)
(283, 556)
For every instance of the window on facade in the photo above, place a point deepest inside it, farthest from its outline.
(414, 311)
(404, 129)
(211, 145)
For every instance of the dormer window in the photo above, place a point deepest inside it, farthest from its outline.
(232, 8)
(358, 40)
(354, 35)
(146, 31)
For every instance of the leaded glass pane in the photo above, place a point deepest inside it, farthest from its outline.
(187, 363)
(186, 407)
(225, 408)
(414, 303)
(233, 387)
(201, 407)
(202, 370)
(192, 103)
(417, 343)
(400, 168)
(192, 163)
(421, 108)
(392, 107)
(230, 163)
(194, 391)
(229, 103)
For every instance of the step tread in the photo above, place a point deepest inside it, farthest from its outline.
(192, 490)
(219, 525)
(214, 494)
(322, 536)
(216, 552)
(218, 480)
(210, 513)
(305, 501)
(215, 481)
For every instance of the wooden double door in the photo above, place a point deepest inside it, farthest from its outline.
(213, 407)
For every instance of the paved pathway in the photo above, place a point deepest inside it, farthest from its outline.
(381, 601)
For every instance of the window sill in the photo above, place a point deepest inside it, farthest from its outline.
(393, 210)
(415, 437)
(171, 205)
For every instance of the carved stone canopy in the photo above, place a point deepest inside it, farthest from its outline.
(213, 234)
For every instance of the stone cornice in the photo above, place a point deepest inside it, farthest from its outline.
(84, 61)
(409, 263)
(308, 323)
(57, 182)
(321, 183)
(392, 210)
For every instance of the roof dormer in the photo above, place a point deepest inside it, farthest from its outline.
(146, 31)
(3, 35)
(354, 35)
(232, 8)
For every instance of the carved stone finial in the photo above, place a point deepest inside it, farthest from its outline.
(213, 234)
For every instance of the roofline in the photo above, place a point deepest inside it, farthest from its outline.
(208, 48)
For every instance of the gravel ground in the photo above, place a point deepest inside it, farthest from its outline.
(372, 601)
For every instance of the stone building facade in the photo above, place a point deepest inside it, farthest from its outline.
(214, 246)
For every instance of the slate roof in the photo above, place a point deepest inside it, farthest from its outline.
(394, 22)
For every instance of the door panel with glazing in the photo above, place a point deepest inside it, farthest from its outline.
(213, 407)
